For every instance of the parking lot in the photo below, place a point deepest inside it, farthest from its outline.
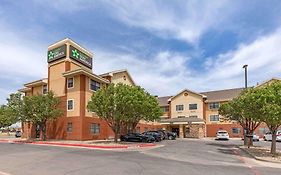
(181, 156)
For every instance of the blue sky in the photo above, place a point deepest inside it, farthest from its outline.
(166, 45)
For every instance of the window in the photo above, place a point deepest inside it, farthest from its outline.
(235, 130)
(145, 129)
(192, 106)
(70, 83)
(181, 116)
(262, 130)
(179, 107)
(214, 105)
(45, 89)
(69, 127)
(94, 86)
(95, 128)
(165, 108)
(214, 118)
(70, 105)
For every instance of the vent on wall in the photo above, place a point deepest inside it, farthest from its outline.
(185, 94)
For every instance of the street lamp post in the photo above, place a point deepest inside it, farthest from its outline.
(246, 75)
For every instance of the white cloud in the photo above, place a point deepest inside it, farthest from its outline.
(184, 20)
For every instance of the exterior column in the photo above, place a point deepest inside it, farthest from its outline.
(181, 131)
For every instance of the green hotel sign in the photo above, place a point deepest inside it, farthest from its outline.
(80, 57)
(57, 53)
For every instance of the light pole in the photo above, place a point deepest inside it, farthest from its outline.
(246, 75)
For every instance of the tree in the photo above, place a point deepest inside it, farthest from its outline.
(246, 110)
(121, 104)
(6, 117)
(41, 108)
(270, 98)
(15, 104)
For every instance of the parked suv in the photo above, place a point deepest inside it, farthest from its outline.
(222, 135)
(136, 137)
(268, 136)
(157, 136)
(18, 134)
(161, 133)
(168, 134)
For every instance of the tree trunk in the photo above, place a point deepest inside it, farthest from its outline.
(273, 144)
(44, 131)
(116, 132)
(245, 137)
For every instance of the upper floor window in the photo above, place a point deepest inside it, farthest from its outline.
(70, 105)
(181, 116)
(179, 107)
(45, 89)
(94, 85)
(192, 106)
(214, 105)
(70, 82)
(214, 118)
(193, 116)
(165, 108)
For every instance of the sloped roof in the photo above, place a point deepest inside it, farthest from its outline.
(163, 101)
(116, 72)
(187, 90)
(222, 95)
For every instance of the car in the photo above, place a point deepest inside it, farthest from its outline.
(157, 136)
(256, 138)
(171, 135)
(163, 136)
(18, 134)
(222, 135)
(137, 137)
(268, 136)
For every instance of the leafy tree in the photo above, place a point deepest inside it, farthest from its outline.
(40, 109)
(15, 104)
(270, 98)
(121, 104)
(6, 117)
(246, 110)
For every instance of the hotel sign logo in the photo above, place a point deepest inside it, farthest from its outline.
(57, 53)
(80, 57)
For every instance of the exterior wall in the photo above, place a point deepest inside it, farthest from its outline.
(121, 77)
(191, 98)
(56, 80)
(74, 94)
(37, 90)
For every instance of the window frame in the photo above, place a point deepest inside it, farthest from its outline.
(165, 109)
(179, 110)
(191, 105)
(67, 127)
(214, 120)
(90, 87)
(72, 104)
(94, 128)
(45, 85)
(213, 108)
(72, 83)
(238, 130)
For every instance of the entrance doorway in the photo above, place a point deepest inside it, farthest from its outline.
(176, 130)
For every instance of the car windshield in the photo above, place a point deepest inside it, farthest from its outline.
(222, 132)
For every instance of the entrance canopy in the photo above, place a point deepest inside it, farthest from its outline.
(186, 120)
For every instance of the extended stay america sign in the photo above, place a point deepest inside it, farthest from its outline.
(80, 57)
(57, 53)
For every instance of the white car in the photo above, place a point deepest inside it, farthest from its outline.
(222, 135)
(268, 136)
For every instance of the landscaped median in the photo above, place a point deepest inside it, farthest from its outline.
(106, 145)
(262, 154)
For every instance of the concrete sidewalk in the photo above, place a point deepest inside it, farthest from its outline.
(92, 144)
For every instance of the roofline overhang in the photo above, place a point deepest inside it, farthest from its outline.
(84, 72)
(118, 71)
(37, 83)
(25, 89)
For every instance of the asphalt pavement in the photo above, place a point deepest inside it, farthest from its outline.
(182, 156)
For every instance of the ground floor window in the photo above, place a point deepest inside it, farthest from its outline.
(214, 118)
(236, 130)
(145, 129)
(263, 130)
(69, 127)
(137, 129)
(95, 128)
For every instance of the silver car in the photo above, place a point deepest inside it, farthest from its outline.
(268, 136)
(222, 135)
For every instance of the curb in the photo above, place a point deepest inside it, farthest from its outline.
(258, 158)
(78, 145)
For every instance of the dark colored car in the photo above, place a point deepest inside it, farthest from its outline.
(156, 135)
(171, 135)
(136, 137)
(18, 134)
(163, 137)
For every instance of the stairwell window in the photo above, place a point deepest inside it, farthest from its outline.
(69, 127)
(70, 83)
(70, 105)
(94, 85)
(214, 118)
(179, 107)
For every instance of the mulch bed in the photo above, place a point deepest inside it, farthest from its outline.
(263, 153)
